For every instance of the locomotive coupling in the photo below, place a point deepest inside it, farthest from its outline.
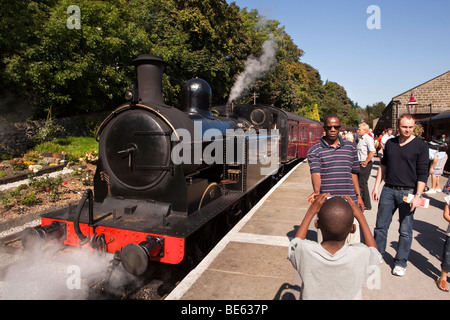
(35, 237)
(136, 257)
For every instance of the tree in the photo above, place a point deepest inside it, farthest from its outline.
(18, 23)
(336, 101)
(375, 111)
(77, 70)
(314, 114)
(215, 44)
(72, 71)
(280, 85)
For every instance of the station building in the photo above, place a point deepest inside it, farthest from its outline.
(429, 102)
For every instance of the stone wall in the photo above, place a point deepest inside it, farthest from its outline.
(435, 92)
(18, 137)
(13, 138)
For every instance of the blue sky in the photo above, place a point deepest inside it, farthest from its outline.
(411, 47)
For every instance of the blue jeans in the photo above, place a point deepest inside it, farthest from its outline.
(390, 201)
(445, 265)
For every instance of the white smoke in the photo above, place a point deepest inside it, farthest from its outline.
(255, 68)
(55, 274)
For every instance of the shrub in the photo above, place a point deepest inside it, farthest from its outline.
(18, 164)
(5, 199)
(91, 157)
(28, 198)
(32, 156)
(49, 131)
(46, 183)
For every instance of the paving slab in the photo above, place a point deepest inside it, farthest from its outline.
(251, 261)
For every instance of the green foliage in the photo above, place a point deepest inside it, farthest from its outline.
(49, 131)
(5, 199)
(45, 183)
(375, 111)
(33, 156)
(18, 164)
(21, 195)
(92, 125)
(313, 113)
(74, 147)
(418, 130)
(77, 71)
(86, 176)
(70, 70)
(28, 198)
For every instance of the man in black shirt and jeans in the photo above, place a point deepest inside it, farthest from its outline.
(404, 168)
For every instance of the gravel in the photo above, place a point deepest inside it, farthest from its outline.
(25, 181)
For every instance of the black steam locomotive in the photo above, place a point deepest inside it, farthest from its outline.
(167, 178)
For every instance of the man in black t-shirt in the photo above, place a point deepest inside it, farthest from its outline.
(404, 168)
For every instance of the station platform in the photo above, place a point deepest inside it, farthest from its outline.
(251, 261)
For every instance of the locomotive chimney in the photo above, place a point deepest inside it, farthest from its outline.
(149, 73)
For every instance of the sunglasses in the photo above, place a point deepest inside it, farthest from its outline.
(329, 127)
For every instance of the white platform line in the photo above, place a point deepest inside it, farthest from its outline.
(192, 277)
(282, 241)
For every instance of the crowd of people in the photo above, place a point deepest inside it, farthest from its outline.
(340, 165)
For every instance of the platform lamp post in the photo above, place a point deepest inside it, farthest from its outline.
(396, 102)
(412, 105)
(429, 123)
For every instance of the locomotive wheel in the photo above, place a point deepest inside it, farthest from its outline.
(207, 237)
(251, 200)
(203, 241)
(234, 215)
(212, 192)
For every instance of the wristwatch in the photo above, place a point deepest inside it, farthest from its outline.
(359, 194)
(419, 195)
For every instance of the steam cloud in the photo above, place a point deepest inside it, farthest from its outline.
(255, 68)
(49, 274)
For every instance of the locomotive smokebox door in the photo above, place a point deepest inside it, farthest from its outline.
(136, 147)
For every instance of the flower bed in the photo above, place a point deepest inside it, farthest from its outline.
(44, 191)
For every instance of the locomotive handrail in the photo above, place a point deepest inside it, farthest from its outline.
(129, 106)
(109, 117)
(88, 194)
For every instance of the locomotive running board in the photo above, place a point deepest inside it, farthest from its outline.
(130, 217)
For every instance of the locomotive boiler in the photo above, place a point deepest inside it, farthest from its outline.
(169, 177)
